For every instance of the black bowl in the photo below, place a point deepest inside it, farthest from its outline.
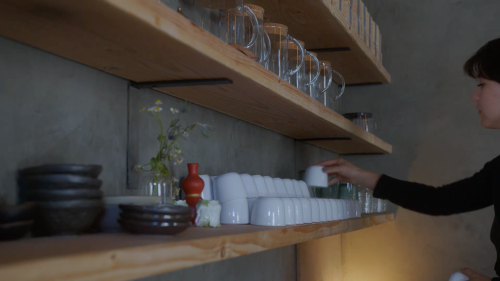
(66, 217)
(60, 181)
(156, 209)
(155, 217)
(15, 230)
(23, 212)
(91, 171)
(63, 194)
(153, 228)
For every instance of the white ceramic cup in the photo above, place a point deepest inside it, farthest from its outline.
(268, 211)
(347, 208)
(229, 187)
(289, 211)
(290, 189)
(304, 189)
(206, 193)
(298, 190)
(335, 211)
(322, 210)
(315, 177)
(250, 201)
(250, 186)
(261, 186)
(299, 210)
(271, 188)
(280, 187)
(340, 209)
(314, 209)
(214, 192)
(306, 209)
(329, 212)
(458, 276)
(235, 212)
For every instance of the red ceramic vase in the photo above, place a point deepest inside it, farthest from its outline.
(192, 186)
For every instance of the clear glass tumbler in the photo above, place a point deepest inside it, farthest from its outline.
(278, 58)
(311, 72)
(261, 48)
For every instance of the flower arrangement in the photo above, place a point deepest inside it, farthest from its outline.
(169, 150)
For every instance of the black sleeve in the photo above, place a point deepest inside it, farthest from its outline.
(467, 195)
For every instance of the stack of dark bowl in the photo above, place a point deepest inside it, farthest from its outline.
(155, 219)
(68, 197)
(16, 221)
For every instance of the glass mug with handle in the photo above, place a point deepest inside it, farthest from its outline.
(300, 80)
(278, 58)
(311, 66)
(226, 20)
(262, 46)
(324, 82)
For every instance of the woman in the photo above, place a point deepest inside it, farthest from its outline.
(470, 194)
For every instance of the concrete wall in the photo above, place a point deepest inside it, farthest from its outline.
(427, 115)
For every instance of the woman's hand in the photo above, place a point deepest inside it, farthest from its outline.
(347, 172)
(474, 276)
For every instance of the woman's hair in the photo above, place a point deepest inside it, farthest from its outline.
(485, 63)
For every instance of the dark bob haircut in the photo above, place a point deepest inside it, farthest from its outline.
(486, 62)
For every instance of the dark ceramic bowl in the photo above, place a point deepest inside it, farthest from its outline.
(23, 212)
(91, 171)
(66, 217)
(15, 230)
(60, 181)
(156, 209)
(153, 228)
(155, 217)
(64, 194)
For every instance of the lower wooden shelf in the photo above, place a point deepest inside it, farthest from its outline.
(127, 257)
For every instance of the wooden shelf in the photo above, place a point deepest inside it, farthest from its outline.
(127, 257)
(321, 25)
(144, 41)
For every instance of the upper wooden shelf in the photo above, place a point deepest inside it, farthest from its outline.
(127, 257)
(145, 40)
(322, 25)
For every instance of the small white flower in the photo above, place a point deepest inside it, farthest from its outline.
(178, 161)
(155, 109)
(174, 111)
(185, 134)
(158, 102)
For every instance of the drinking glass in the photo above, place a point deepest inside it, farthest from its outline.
(278, 58)
(324, 82)
(312, 72)
(261, 48)
(299, 79)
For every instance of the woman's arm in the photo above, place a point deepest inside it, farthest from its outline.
(469, 194)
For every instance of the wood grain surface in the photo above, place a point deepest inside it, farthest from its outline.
(127, 257)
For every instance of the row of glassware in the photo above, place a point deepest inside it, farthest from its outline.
(242, 25)
(343, 190)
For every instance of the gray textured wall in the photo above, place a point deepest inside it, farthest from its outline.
(426, 113)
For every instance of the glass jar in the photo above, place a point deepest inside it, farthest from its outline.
(158, 185)
(363, 120)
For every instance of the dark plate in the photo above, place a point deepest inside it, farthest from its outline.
(153, 228)
(156, 209)
(63, 194)
(23, 212)
(66, 217)
(155, 217)
(15, 230)
(60, 181)
(91, 171)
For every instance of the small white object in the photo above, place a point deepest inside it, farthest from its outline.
(329, 214)
(206, 193)
(249, 185)
(208, 213)
(458, 276)
(235, 212)
(271, 188)
(335, 211)
(261, 186)
(268, 211)
(322, 210)
(280, 187)
(305, 189)
(315, 177)
(315, 209)
(306, 209)
(181, 203)
(296, 187)
(299, 210)
(340, 209)
(229, 187)
(289, 188)
(289, 211)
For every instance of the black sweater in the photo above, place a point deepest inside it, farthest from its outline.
(470, 194)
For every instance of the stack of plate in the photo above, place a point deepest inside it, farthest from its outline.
(155, 219)
(16, 221)
(67, 196)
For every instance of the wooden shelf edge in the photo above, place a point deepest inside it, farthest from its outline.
(127, 257)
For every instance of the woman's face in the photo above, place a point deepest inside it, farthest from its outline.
(487, 98)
